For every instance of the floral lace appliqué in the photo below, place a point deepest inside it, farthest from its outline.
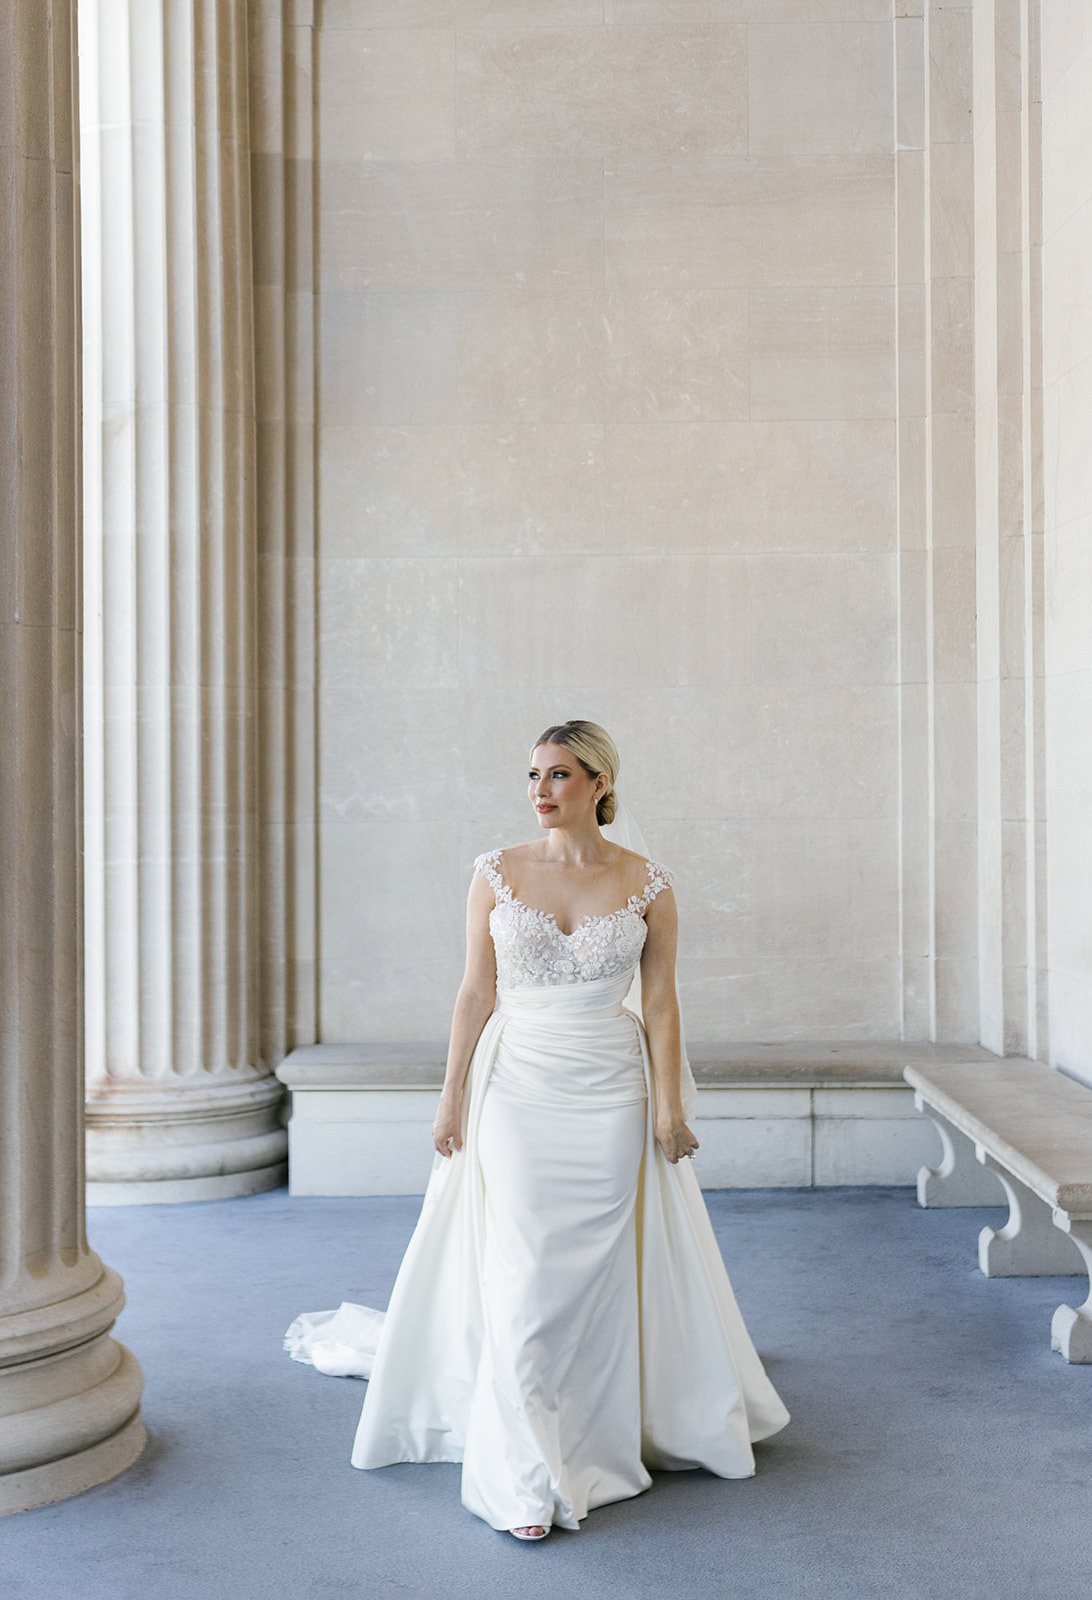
(532, 951)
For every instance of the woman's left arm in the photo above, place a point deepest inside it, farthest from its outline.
(661, 1012)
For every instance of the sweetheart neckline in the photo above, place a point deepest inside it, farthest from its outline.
(550, 916)
(656, 878)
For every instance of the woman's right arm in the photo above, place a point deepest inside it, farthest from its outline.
(473, 1008)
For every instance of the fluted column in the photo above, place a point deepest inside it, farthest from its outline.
(69, 1394)
(180, 1105)
(280, 50)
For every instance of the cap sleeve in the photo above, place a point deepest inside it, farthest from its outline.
(659, 878)
(488, 867)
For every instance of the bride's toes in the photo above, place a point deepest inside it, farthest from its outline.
(535, 1531)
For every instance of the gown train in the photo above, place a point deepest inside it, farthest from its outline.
(562, 1320)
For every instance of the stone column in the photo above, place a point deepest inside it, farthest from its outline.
(280, 48)
(69, 1394)
(180, 1105)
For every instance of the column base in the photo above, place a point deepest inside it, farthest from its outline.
(60, 1480)
(166, 1142)
(175, 1191)
(69, 1392)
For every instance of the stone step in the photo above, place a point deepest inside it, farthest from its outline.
(768, 1115)
(716, 1064)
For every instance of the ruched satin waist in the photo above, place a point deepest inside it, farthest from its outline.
(574, 1045)
(565, 1004)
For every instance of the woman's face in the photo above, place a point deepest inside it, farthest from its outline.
(559, 789)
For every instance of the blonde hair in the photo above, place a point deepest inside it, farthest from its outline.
(596, 752)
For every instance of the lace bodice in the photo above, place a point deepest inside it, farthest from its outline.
(532, 951)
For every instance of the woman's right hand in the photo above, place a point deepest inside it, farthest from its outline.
(447, 1130)
(674, 1138)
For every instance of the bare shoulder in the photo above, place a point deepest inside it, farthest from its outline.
(493, 862)
(522, 852)
(634, 867)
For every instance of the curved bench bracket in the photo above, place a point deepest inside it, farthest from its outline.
(958, 1180)
(1029, 1245)
(1071, 1327)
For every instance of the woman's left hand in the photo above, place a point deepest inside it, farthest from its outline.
(674, 1138)
(447, 1130)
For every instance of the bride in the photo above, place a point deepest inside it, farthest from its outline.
(562, 1319)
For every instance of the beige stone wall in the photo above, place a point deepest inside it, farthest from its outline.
(937, 758)
(1067, 449)
(606, 410)
(714, 368)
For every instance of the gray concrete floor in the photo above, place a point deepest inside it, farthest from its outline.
(937, 1448)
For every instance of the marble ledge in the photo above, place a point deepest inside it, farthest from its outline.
(850, 1065)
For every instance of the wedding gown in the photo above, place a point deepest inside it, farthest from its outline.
(562, 1319)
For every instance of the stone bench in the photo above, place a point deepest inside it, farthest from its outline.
(769, 1115)
(1029, 1128)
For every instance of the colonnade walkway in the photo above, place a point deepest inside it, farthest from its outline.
(938, 1451)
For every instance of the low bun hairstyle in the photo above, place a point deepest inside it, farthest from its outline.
(596, 752)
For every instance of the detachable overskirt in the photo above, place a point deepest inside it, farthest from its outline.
(562, 1319)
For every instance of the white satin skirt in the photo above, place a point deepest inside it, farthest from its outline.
(562, 1320)
(554, 1426)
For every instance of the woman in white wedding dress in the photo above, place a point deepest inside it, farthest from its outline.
(562, 1320)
